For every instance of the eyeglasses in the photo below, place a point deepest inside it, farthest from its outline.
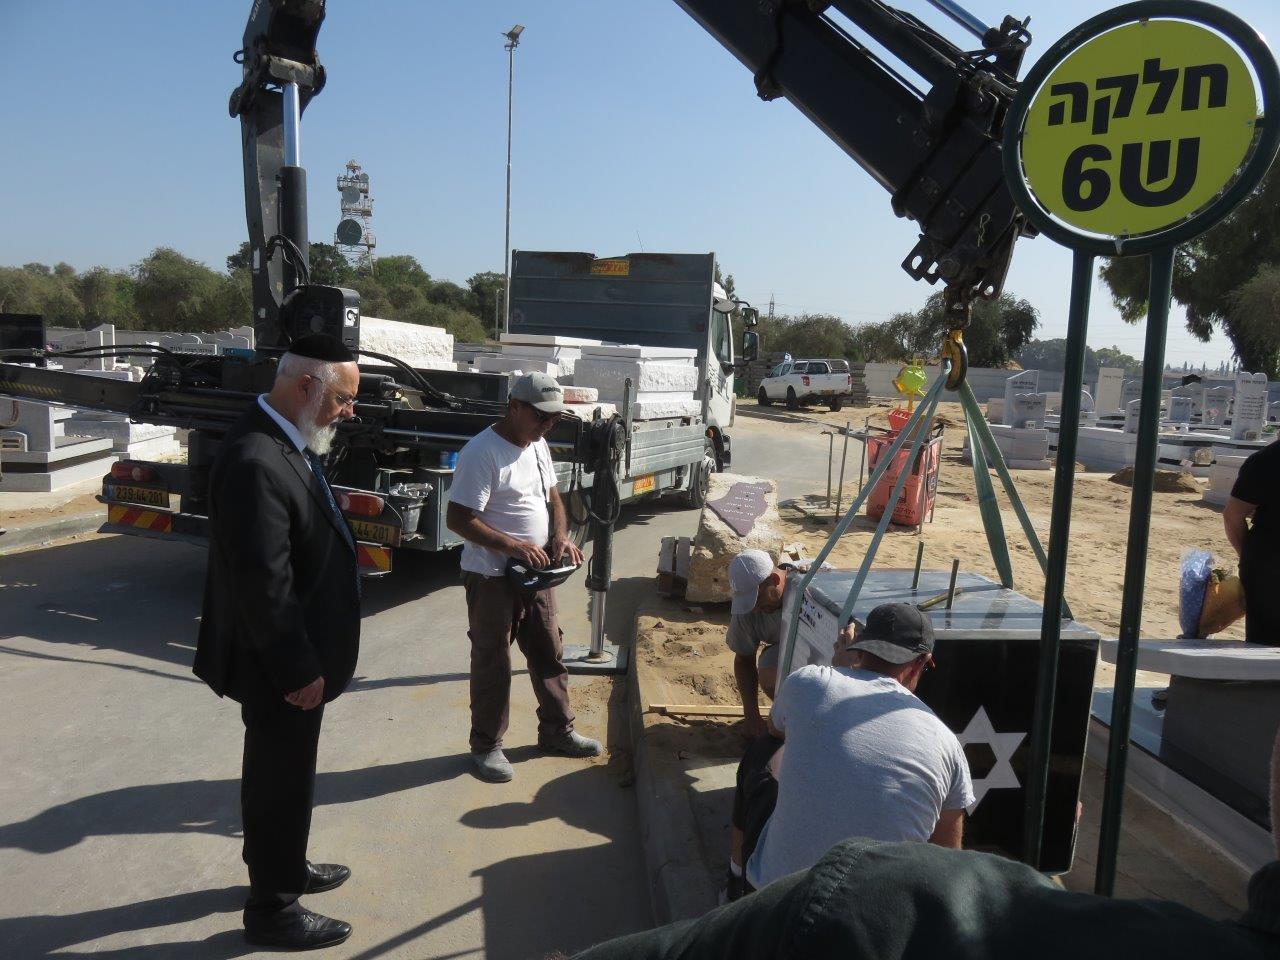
(542, 417)
(343, 399)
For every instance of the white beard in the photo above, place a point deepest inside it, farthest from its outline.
(319, 439)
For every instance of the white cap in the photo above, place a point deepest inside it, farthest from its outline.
(747, 571)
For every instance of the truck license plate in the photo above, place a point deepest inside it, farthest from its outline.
(643, 484)
(375, 532)
(144, 495)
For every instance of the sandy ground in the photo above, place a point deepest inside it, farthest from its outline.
(685, 644)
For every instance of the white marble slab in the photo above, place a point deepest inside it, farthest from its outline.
(1203, 659)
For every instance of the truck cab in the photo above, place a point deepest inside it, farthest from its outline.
(651, 299)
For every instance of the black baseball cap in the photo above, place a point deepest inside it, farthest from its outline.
(896, 633)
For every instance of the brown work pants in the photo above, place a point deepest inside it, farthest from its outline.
(497, 614)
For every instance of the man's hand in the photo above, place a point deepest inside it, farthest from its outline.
(530, 554)
(564, 547)
(755, 726)
(309, 697)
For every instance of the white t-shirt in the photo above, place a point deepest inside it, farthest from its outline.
(507, 486)
(864, 757)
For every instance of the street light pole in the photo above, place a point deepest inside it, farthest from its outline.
(513, 41)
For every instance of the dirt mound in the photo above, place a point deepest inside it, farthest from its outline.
(1167, 481)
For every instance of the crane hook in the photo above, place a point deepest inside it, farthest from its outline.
(958, 302)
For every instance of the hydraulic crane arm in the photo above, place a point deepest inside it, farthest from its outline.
(281, 74)
(936, 150)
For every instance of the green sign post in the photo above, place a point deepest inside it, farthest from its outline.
(1137, 131)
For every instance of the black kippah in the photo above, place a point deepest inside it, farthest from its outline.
(322, 346)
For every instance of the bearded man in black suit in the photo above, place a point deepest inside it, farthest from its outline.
(281, 625)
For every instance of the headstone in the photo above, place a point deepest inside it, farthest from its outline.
(1052, 401)
(1132, 414)
(1132, 390)
(1026, 381)
(1180, 409)
(1250, 413)
(1027, 411)
(1195, 392)
(1110, 384)
(1217, 401)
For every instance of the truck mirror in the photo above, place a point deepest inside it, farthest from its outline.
(722, 305)
(750, 345)
(750, 316)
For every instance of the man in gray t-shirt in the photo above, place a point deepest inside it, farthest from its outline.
(863, 756)
(757, 586)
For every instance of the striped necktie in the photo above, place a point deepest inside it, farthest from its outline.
(317, 467)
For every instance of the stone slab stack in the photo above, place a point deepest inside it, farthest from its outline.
(664, 378)
(422, 347)
(858, 390)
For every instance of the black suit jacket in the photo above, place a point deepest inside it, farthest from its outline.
(281, 602)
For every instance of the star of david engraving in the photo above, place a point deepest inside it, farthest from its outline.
(1003, 745)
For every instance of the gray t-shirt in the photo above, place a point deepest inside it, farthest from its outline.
(864, 757)
(748, 631)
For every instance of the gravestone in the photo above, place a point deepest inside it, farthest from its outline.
(1180, 409)
(1026, 381)
(1217, 401)
(1132, 413)
(1027, 411)
(1132, 390)
(1110, 385)
(1250, 411)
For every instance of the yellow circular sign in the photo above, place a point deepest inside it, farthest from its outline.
(1139, 128)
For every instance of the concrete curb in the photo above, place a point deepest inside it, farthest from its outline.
(681, 885)
(44, 533)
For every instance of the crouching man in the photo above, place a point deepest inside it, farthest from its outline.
(864, 757)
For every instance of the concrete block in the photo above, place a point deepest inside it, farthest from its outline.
(517, 364)
(623, 351)
(544, 340)
(661, 409)
(415, 344)
(576, 394)
(609, 376)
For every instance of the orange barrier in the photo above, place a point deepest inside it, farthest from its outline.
(920, 489)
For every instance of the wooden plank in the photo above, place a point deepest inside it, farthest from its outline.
(700, 710)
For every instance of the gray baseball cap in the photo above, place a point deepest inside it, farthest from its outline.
(896, 633)
(747, 571)
(540, 391)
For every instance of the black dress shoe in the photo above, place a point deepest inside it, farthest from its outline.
(325, 876)
(298, 930)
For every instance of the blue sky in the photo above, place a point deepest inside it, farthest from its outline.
(633, 129)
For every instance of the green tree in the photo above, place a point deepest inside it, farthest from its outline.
(107, 297)
(997, 331)
(486, 292)
(1254, 315)
(1208, 274)
(173, 292)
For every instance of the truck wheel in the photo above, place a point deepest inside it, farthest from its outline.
(836, 404)
(762, 398)
(700, 481)
(793, 403)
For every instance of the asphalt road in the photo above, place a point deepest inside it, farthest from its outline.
(119, 797)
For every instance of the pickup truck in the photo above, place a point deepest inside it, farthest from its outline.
(807, 381)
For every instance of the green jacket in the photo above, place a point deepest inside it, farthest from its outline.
(917, 901)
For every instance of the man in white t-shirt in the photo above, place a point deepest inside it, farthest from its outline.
(504, 503)
(863, 756)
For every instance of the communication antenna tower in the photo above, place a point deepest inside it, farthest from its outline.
(354, 236)
(771, 305)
